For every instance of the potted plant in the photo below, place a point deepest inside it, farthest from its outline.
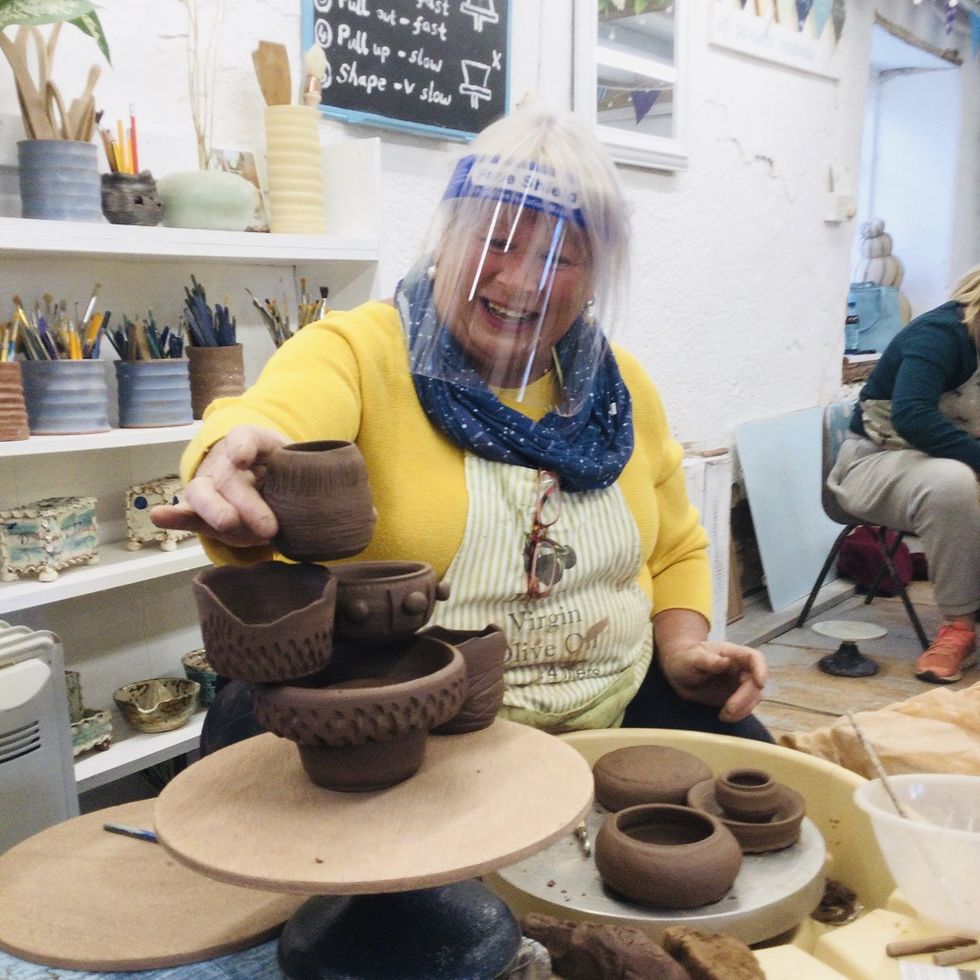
(59, 132)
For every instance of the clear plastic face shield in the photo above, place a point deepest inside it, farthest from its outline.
(519, 283)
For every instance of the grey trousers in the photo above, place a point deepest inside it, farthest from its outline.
(937, 500)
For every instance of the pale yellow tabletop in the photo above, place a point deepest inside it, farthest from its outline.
(250, 815)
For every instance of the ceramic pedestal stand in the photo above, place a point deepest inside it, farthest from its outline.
(847, 660)
(249, 815)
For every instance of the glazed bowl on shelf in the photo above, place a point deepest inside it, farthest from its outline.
(159, 704)
(361, 733)
(266, 623)
(197, 668)
(934, 853)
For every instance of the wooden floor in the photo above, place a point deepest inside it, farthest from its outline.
(801, 697)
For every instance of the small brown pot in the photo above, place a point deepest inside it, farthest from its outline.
(668, 856)
(215, 372)
(321, 497)
(646, 774)
(747, 794)
(265, 623)
(384, 600)
(360, 734)
(755, 837)
(13, 410)
(483, 652)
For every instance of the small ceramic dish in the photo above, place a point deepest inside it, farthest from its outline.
(639, 774)
(159, 704)
(379, 600)
(782, 830)
(266, 623)
(197, 668)
(368, 732)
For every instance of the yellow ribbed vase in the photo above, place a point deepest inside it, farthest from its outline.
(294, 168)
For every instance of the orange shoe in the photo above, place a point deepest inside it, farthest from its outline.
(954, 649)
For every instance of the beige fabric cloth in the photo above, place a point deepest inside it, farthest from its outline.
(937, 731)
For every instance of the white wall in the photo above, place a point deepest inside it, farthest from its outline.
(739, 284)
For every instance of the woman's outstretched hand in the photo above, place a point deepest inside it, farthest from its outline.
(721, 674)
(223, 501)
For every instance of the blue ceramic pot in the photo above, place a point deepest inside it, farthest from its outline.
(153, 393)
(59, 180)
(66, 397)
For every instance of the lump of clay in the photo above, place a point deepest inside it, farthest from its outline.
(594, 951)
(711, 957)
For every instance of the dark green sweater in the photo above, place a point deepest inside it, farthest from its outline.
(932, 355)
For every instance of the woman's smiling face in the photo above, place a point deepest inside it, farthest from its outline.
(509, 293)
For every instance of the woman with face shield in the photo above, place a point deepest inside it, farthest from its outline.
(509, 444)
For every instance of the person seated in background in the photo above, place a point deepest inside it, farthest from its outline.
(508, 444)
(912, 462)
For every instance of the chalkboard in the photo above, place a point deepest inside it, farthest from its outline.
(433, 66)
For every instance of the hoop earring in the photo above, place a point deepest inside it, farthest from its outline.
(588, 313)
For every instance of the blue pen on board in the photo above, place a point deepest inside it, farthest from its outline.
(138, 832)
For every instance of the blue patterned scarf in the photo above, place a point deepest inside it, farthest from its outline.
(587, 450)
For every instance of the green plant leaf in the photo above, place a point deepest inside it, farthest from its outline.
(89, 24)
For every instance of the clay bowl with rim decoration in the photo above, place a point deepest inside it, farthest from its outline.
(484, 652)
(646, 774)
(781, 830)
(321, 497)
(378, 600)
(266, 623)
(159, 704)
(666, 855)
(367, 732)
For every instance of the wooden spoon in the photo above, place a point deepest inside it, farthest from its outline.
(31, 101)
(272, 70)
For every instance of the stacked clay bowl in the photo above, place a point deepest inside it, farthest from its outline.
(763, 815)
(367, 732)
(666, 855)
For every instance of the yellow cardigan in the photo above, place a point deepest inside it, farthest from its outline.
(346, 377)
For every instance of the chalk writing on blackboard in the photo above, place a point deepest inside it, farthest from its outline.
(437, 66)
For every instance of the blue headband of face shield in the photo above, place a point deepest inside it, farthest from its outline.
(524, 183)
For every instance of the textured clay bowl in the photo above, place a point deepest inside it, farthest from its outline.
(321, 497)
(360, 734)
(668, 856)
(159, 704)
(782, 830)
(646, 774)
(750, 795)
(378, 600)
(266, 623)
(483, 652)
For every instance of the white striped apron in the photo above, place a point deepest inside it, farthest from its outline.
(576, 657)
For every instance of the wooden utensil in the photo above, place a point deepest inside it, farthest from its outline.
(57, 113)
(272, 70)
(31, 100)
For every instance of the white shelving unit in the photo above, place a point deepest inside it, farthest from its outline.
(109, 633)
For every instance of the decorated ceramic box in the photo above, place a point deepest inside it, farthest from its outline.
(47, 536)
(140, 498)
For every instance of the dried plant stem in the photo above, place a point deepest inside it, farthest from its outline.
(202, 74)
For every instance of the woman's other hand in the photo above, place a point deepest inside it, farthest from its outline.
(722, 674)
(222, 501)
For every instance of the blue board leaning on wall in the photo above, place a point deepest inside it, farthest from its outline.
(438, 67)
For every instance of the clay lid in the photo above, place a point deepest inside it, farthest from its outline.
(646, 774)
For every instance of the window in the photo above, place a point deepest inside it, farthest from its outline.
(629, 77)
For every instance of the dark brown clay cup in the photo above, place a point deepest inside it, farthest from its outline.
(385, 600)
(266, 623)
(646, 774)
(781, 830)
(484, 652)
(747, 794)
(366, 733)
(321, 497)
(668, 856)
(214, 372)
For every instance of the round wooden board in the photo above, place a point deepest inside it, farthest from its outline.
(250, 815)
(79, 897)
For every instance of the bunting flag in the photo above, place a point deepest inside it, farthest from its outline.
(802, 11)
(643, 101)
(838, 15)
(975, 32)
(821, 11)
